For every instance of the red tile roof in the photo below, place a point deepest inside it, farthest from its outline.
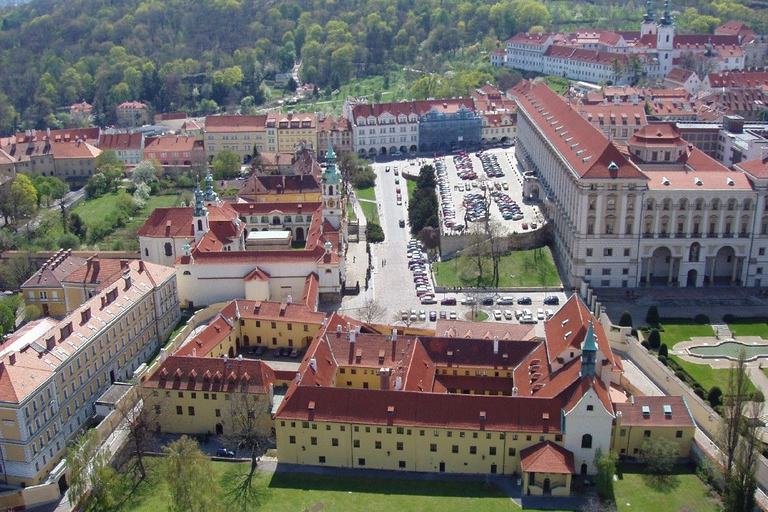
(757, 168)
(584, 385)
(589, 152)
(679, 75)
(169, 223)
(227, 124)
(610, 114)
(121, 141)
(632, 413)
(568, 327)
(311, 287)
(546, 457)
(97, 271)
(170, 144)
(584, 55)
(484, 330)
(131, 105)
(74, 149)
(212, 374)
(530, 39)
(657, 134)
(448, 105)
(55, 270)
(738, 79)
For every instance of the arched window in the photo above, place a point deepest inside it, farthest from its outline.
(168, 249)
(715, 204)
(586, 441)
(699, 204)
(330, 190)
(693, 253)
(199, 225)
(649, 205)
(667, 204)
(264, 219)
(731, 204)
(683, 204)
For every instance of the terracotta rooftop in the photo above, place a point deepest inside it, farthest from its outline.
(634, 414)
(756, 168)
(547, 457)
(484, 330)
(121, 141)
(55, 270)
(227, 124)
(568, 327)
(131, 105)
(679, 75)
(173, 144)
(212, 374)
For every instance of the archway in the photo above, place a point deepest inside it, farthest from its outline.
(693, 252)
(299, 234)
(504, 140)
(691, 281)
(392, 149)
(361, 152)
(231, 352)
(237, 344)
(372, 151)
(383, 151)
(661, 265)
(403, 149)
(724, 266)
(246, 340)
(546, 486)
(247, 159)
(219, 429)
(414, 148)
(584, 469)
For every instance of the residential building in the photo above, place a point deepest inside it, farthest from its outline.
(7, 169)
(192, 128)
(659, 213)
(241, 134)
(132, 113)
(684, 78)
(448, 124)
(176, 154)
(45, 288)
(82, 108)
(618, 122)
(751, 104)
(335, 130)
(650, 417)
(292, 129)
(53, 372)
(127, 146)
(498, 128)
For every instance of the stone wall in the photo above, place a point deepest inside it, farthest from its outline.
(450, 244)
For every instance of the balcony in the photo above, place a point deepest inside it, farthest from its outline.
(727, 235)
(743, 235)
(711, 235)
(663, 235)
(647, 235)
(695, 235)
(679, 235)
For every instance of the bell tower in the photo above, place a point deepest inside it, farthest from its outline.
(199, 216)
(648, 26)
(665, 40)
(331, 182)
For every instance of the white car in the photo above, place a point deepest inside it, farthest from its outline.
(540, 314)
(497, 314)
(452, 315)
(507, 314)
(422, 315)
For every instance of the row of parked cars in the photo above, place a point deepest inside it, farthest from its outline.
(417, 264)
(491, 165)
(474, 204)
(446, 202)
(508, 207)
(464, 167)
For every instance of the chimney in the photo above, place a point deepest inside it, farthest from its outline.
(127, 279)
(50, 343)
(352, 337)
(384, 378)
(394, 335)
(289, 299)
(12, 358)
(495, 345)
(313, 364)
(398, 383)
(271, 394)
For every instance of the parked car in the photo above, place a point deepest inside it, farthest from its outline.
(527, 301)
(507, 314)
(259, 351)
(223, 452)
(497, 315)
(505, 301)
(432, 315)
(552, 300)
(294, 353)
(428, 300)
(468, 301)
(487, 301)
(422, 315)
(443, 314)
(448, 302)
(452, 316)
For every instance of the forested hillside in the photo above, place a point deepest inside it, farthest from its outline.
(202, 55)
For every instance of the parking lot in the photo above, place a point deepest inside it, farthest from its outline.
(465, 178)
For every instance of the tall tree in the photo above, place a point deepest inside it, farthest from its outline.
(226, 165)
(23, 197)
(187, 471)
(85, 462)
(138, 420)
(371, 310)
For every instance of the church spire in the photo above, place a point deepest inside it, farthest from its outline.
(210, 195)
(649, 16)
(330, 175)
(200, 210)
(667, 18)
(588, 352)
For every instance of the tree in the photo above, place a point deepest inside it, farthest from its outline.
(32, 313)
(663, 350)
(658, 454)
(138, 419)
(476, 253)
(626, 319)
(654, 339)
(17, 269)
(7, 319)
(715, 396)
(23, 197)
(226, 165)
(404, 318)
(144, 173)
(606, 467)
(248, 429)
(141, 195)
(187, 471)
(741, 442)
(652, 317)
(371, 311)
(69, 241)
(77, 226)
(429, 237)
(97, 185)
(86, 461)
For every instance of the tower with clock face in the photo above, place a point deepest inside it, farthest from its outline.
(331, 180)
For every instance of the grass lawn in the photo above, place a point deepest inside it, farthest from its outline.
(371, 212)
(708, 376)
(295, 492)
(351, 213)
(529, 268)
(366, 193)
(674, 333)
(681, 491)
(750, 328)
(411, 184)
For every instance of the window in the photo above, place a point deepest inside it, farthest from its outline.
(626, 253)
(455, 448)
(321, 459)
(168, 249)
(492, 450)
(401, 464)
(589, 252)
(292, 439)
(361, 462)
(377, 445)
(179, 410)
(586, 441)
(433, 447)
(313, 441)
(335, 441)
(607, 252)
(356, 443)
(191, 410)
(647, 433)
(590, 407)
(400, 446)
(473, 450)
(512, 452)
(218, 413)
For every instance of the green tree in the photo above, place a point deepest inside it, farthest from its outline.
(626, 319)
(22, 199)
(7, 319)
(187, 471)
(144, 172)
(658, 454)
(226, 165)
(69, 241)
(85, 463)
(663, 350)
(652, 317)
(715, 396)
(606, 468)
(32, 313)
(654, 339)
(77, 226)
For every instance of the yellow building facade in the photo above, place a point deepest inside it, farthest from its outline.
(647, 417)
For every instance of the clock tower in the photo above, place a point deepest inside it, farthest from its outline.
(331, 181)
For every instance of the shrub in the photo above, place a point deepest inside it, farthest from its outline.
(375, 233)
(32, 312)
(701, 319)
(652, 317)
(69, 241)
(729, 318)
(663, 359)
(634, 332)
(700, 393)
(757, 396)
(663, 350)
(680, 375)
(645, 344)
(654, 339)
(626, 319)
(715, 396)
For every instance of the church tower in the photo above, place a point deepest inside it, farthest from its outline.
(210, 195)
(665, 40)
(588, 353)
(199, 216)
(331, 189)
(648, 26)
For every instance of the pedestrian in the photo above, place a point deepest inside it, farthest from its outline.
(354, 259)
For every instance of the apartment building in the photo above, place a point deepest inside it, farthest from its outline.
(241, 134)
(132, 113)
(176, 154)
(292, 129)
(52, 372)
(127, 146)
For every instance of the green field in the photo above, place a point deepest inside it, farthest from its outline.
(520, 268)
(750, 328)
(682, 491)
(366, 193)
(411, 184)
(296, 492)
(675, 332)
(371, 212)
(708, 376)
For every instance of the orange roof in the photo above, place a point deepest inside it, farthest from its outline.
(212, 374)
(74, 149)
(484, 330)
(97, 271)
(568, 327)
(588, 151)
(60, 266)
(756, 168)
(679, 75)
(584, 385)
(698, 179)
(131, 105)
(226, 124)
(662, 134)
(178, 143)
(546, 457)
(632, 413)
(121, 141)
(169, 223)
(310, 296)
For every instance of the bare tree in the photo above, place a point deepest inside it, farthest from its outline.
(477, 252)
(405, 319)
(17, 269)
(701, 64)
(497, 244)
(138, 418)
(371, 310)
(741, 441)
